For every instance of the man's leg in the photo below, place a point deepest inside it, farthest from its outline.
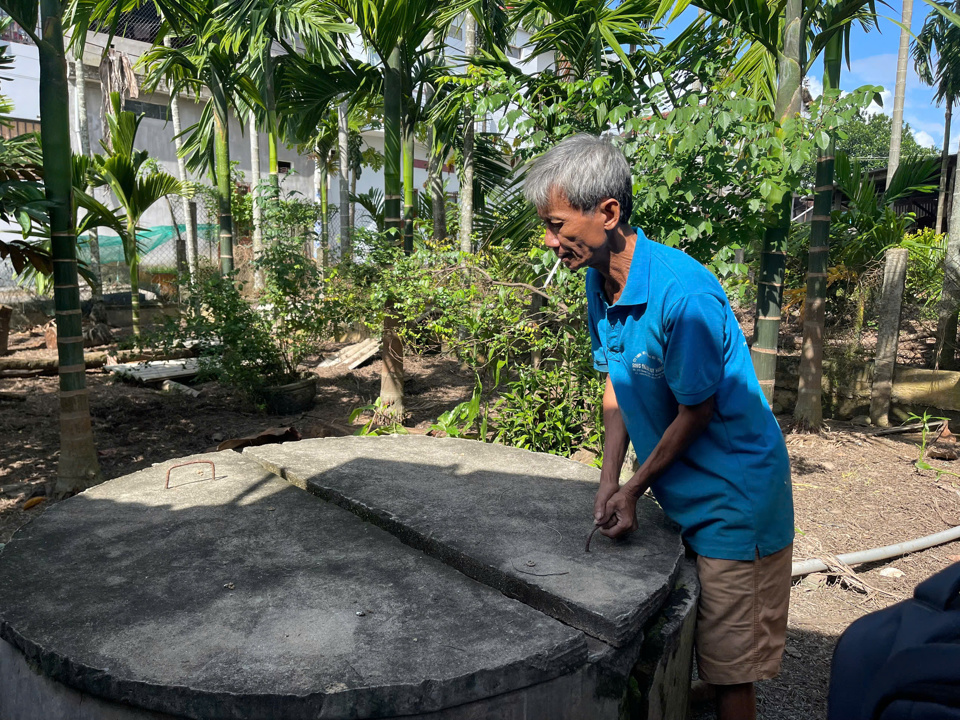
(736, 702)
(741, 627)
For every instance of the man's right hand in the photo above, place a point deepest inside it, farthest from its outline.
(608, 488)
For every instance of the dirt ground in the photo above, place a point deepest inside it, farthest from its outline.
(853, 490)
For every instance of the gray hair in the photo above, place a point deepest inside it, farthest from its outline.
(586, 169)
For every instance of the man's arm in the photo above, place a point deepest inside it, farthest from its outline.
(620, 509)
(614, 449)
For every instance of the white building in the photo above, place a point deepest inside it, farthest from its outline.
(156, 133)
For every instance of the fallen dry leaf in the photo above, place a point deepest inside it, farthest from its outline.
(33, 502)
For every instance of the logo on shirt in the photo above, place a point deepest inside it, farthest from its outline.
(647, 365)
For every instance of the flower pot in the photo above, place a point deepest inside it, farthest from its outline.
(290, 398)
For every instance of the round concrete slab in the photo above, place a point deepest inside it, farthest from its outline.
(510, 518)
(245, 597)
(419, 577)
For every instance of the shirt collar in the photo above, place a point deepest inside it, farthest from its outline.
(638, 279)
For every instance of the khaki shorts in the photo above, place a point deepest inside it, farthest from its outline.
(742, 617)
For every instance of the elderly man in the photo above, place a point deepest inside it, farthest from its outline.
(680, 384)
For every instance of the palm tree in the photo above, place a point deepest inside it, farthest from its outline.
(469, 127)
(78, 467)
(205, 63)
(787, 35)
(900, 88)
(808, 412)
(124, 170)
(395, 30)
(941, 37)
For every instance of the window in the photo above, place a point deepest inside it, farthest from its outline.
(455, 30)
(150, 110)
(14, 33)
(12, 128)
(283, 167)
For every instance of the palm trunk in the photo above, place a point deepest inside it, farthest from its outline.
(133, 263)
(945, 350)
(944, 167)
(78, 467)
(353, 205)
(391, 376)
(188, 214)
(773, 257)
(318, 183)
(408, 207)
(437, 194)
(270, 100)
(896, 133)
(346, 247)
(466, 181)
(257, 199)
(434, 178)
(325, 208)
(809, 410)
(222, 153)
(83, 135)
(189, 221)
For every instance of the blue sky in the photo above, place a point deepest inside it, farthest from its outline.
(873, 61)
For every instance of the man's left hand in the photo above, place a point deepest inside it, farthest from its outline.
(621, 511)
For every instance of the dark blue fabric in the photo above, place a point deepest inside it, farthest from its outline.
(902, 662)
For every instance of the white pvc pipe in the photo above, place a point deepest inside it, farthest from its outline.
(806, 567)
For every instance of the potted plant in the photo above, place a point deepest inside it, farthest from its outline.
(257, 348)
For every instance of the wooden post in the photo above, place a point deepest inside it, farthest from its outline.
(5, 314)
(888, 335)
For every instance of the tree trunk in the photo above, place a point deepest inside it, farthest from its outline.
(466, 179)
(325, 208)
(773, 256)
(83, 135)
(809, 410)
(945, 350)
(222, 153)
(437, 193)
(133, 263)
(257, 198)
(408, 206)
(888, 336)
(896, 130)
(318, 183)
(78, 467)
(438, 198)
(353, 205)
(391, 146)
(270, 100)
(944, 167)
(346, 245)
(391, 377)
(189, 212)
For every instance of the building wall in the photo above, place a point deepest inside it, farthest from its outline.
(157, 136)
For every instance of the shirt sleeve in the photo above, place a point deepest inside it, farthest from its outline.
(694, 356)
(599, 353)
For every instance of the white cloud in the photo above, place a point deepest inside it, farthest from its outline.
(925, 139)
(814, 86)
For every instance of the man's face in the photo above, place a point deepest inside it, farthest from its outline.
(578, 238)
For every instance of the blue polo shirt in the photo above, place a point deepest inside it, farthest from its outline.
(672, 339)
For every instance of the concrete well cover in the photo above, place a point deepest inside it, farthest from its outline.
(512, 519)
(244, 597)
